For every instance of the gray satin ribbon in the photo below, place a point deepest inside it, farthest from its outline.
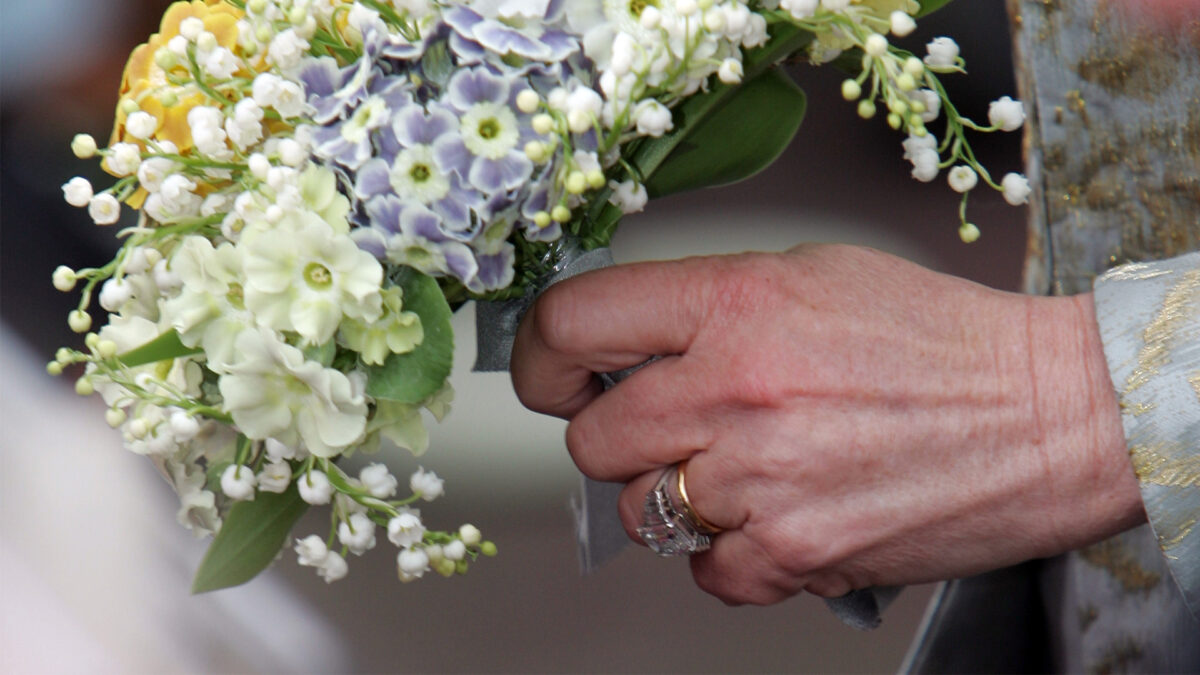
(598, 529)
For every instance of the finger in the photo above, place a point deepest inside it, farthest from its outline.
(739, 571)
(715, 505)
(604, 321)
(630, 504)
(650, 420)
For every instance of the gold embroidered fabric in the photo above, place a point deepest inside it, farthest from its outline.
(1149, 316)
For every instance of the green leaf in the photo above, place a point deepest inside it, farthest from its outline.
(735, 140)
(161, 348)
(249, 540)
(415, 376)
(929, 6)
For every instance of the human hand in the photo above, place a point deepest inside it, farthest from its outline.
(850, 419)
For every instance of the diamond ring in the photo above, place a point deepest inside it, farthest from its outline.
(671, 526)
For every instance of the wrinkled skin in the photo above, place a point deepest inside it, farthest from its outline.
(851, 419)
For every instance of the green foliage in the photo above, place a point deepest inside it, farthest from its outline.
(249, 540)
(736, 140)
(929, 6)
(161, 348)
(415, 376)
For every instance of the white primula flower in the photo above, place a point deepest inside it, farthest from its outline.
(275, 477)
(302, 276)
(104, 209)
(311, 551)
(123, 159)
(1015, 188)
(378, 480)
(427, 484)
(962, 178)
(141, 125)
(272, 391)
(357, 533)
(237, 482)
(209, 311)
(629, 196)
(333, 568)
(406, 529)
(78, 191)
(1006, 114)
(314, 487)
(942, 53)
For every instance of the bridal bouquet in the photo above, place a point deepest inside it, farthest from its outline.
(319, 183)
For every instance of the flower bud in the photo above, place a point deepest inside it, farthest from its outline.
(79, 320)
(541, 219)
(528, 101)
(851, 90)
(968, 233)
(115, 417)
(876, 45)
(64, 278)
(84, 146)
(595, 179)
(542, 124)
(560, 214)
(83, 387)
(576, 182)
(469, 534)
(106, 349)
(866, 109)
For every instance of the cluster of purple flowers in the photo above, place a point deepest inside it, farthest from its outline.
(431, 146)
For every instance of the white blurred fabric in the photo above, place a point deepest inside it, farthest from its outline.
(94, 569)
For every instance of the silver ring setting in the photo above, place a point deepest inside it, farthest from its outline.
(670, 526)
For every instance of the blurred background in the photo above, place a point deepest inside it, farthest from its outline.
(94, 571)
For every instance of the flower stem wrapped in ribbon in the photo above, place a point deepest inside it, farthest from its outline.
(317, 183)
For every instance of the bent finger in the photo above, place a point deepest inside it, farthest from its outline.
(604, 321)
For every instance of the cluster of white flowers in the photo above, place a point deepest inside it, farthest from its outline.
(243, 251)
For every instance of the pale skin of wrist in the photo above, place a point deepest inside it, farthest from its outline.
(850, 418)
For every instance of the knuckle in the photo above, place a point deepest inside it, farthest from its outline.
(556, 321)
(584, 440)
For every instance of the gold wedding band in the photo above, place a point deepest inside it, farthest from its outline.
(689, 510)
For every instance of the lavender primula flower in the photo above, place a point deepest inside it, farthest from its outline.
(487, 151)
(407, 167)
(410, 234)
(524, 37)
(348, 142)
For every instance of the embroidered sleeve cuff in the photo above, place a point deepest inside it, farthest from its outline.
(1149, 316)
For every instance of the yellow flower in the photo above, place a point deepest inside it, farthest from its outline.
(144, 80)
